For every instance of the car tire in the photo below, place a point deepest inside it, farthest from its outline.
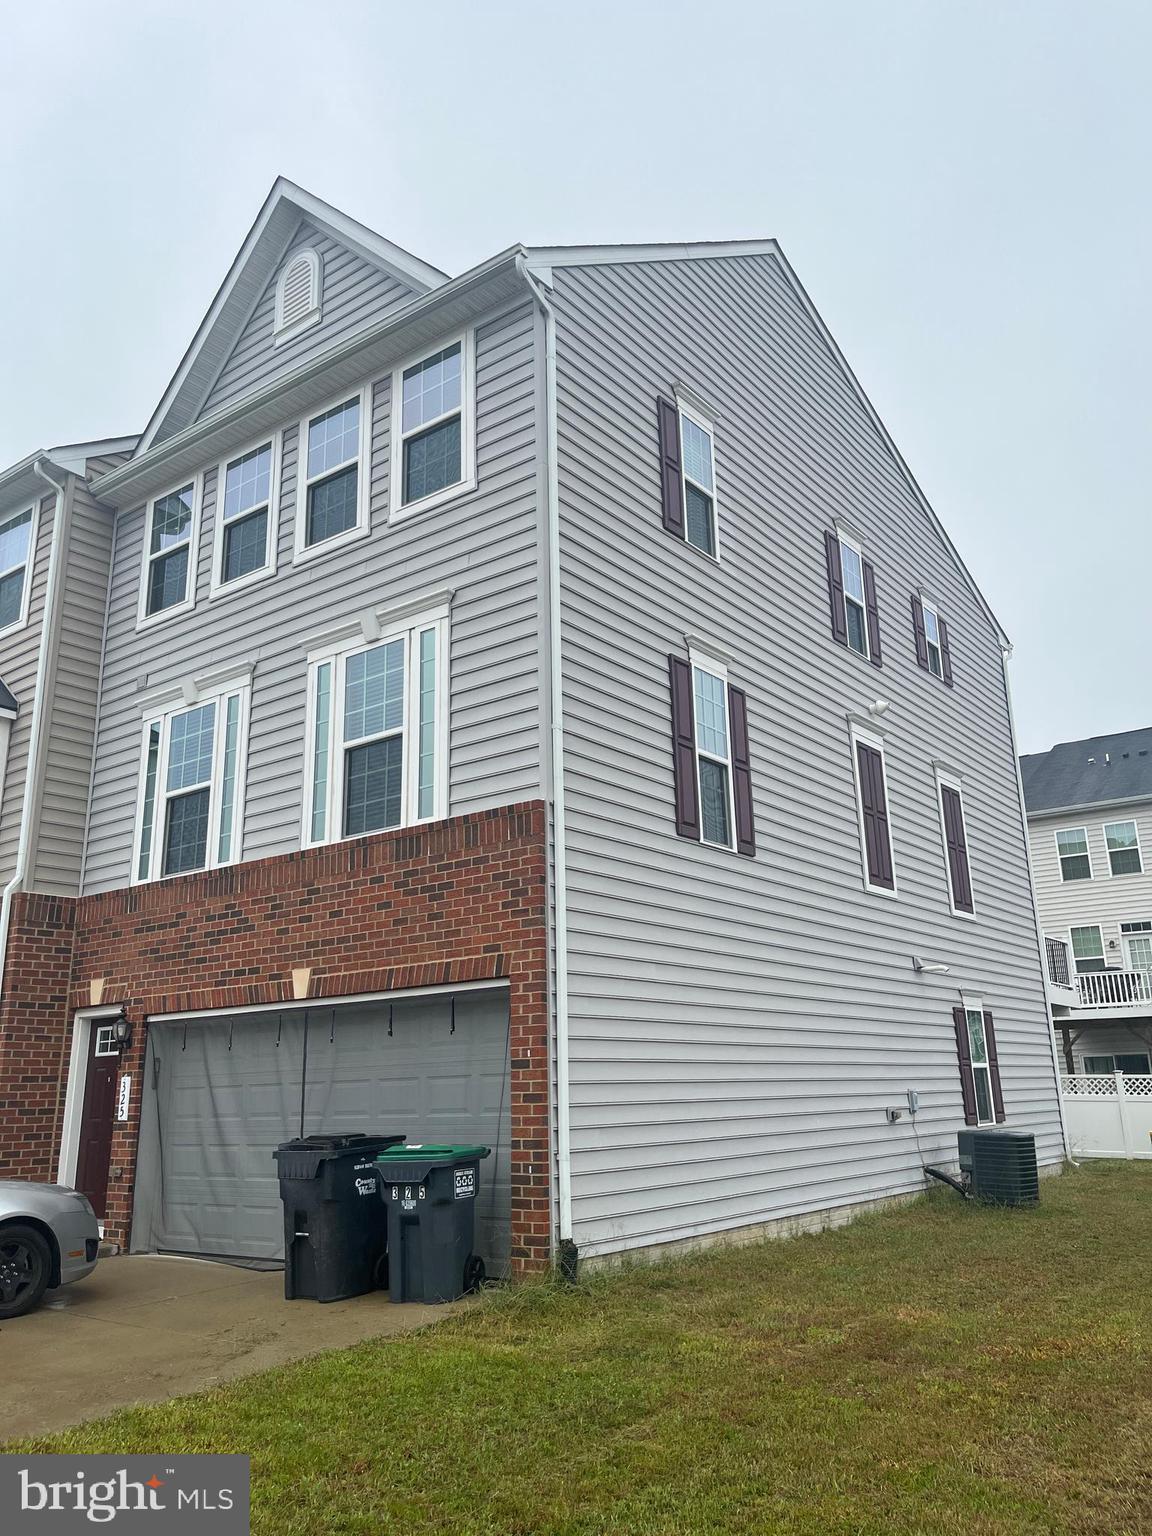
(25, 1269)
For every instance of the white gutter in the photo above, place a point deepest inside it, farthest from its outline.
(32, 770)
(1042, 952)
(556, 718)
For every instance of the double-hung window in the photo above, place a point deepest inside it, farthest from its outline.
(713, 753)
(16, 544)
(1123, 844)
(932, 650)
(855, 613)
(191, 788)
(1088, 948)
(169, 578)
(245, 536)
(712, 775)
(855, 610)
(376, 733)
(688, 474)
(1072, 849)
(873, 813)
(979, 1066)
(433, 451)
(332, 494)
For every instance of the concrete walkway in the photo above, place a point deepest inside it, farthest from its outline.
(143, 1328)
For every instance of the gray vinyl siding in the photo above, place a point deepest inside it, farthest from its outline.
(58, 838)
(1106, 899)
(355, 294)
(738, 1026)
(19, 653)
(484, 546)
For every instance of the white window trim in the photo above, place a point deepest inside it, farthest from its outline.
(281, 332)
(361, 528)
(871, 739)
(1056, 831)
(144, 619)
(709, 662)
(976, 1005)
(355, 643)
(216, 587)
(854, 544)
(240, 686)
(952, 781)
(29, 563)
(1103, 955)
(931, 608)
(685, 406)
(398, 509)
(1126, 821)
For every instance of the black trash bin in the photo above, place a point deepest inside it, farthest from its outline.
(429, 1194)
(335, 1243)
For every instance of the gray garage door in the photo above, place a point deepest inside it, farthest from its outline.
(221, 1094)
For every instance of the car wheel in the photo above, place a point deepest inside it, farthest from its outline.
(25, 1268)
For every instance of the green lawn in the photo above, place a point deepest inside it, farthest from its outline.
(942, 1368)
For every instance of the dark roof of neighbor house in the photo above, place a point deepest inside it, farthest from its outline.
(1091, 772)
(6, 699)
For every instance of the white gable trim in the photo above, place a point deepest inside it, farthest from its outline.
(400, 263)
(540, 258)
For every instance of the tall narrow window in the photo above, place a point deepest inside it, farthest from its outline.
(376, 734)
(979, 1066)
(433, 451)
(15, 548)
(699, 483)
(1072, 848)
(710, 754)
(191, 787)
(852, 594)
(245, 517)
(931, 632)
(331, 501)
(872, 806)
(169, 563)
(1123, 844)
(955, 846)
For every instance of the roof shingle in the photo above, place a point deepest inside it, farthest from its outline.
(1090, 772)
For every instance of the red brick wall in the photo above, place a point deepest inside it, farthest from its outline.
(457, 901)
(35, 1033)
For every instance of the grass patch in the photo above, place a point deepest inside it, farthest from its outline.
(943, 1368)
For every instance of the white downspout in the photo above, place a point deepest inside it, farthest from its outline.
(556, 718)
(32, 769)
(1006, 652)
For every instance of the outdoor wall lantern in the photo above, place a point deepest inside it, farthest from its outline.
(123, 1028)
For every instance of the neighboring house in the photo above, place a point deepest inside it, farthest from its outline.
(536, 707)
(1090, 827)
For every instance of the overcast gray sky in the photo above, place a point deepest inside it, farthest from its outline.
(963, 188)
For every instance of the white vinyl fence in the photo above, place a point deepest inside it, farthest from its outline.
(1109, 1116)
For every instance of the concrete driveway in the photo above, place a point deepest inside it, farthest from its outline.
(144, 1328)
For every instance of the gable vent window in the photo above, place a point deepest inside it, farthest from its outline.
(298, 295)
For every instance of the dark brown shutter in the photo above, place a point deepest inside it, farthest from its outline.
(741, 772)
(684, 749)
(874, 812)
(873, 612)
(945, 653)
(964, 1051)
(957, 841)
(994, 1068)
(671, 485)
(836, 588)
(920, 632)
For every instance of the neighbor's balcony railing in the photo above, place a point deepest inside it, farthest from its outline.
(1058, 960)
(1114, 989)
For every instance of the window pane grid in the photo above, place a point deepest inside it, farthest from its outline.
(711, 714)
(332, 505)
(245, 545)
(696, 449)
(431, 389)
(1087, 943)
(432, 460)
(247, 482)
(374, 786)
(190, 743)
(186, 833)
(374, 692)
(169, 550)
(15, 535)
(333, 439)
(1123, 847)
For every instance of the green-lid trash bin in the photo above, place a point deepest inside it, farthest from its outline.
(430, 1192)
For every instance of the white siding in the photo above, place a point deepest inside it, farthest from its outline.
(484, 546)
(19, 653)
(738, 1026)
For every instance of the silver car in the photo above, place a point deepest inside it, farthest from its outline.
(48, 1237)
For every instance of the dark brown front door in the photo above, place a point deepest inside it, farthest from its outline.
(96, 1120)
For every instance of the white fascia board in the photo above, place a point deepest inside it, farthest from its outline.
(544, 256)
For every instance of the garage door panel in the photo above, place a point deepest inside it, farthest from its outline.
(221, 1111)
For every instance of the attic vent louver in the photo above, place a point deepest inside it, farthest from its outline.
(298, 295)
